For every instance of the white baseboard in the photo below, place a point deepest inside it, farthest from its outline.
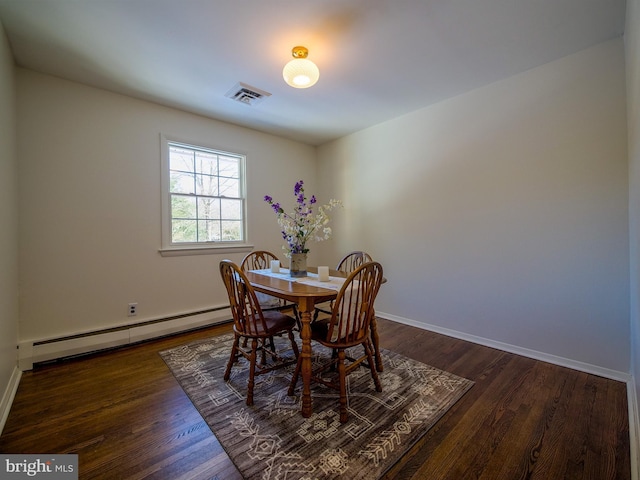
(42, 350)
(632, 399)
(525, 352)
(8, 396)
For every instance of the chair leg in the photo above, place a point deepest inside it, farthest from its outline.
(294, 378)
(263, 360)
(294, 345)
(374, 374)
(376, 343)
(232, 358)
(343, 386)
(252, 370)
(296, 315)
(334, 360)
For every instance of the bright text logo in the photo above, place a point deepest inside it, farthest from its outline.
(50, 467)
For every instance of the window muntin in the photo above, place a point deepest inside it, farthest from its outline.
(206, 195)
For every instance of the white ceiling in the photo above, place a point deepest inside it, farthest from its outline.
(378, 59)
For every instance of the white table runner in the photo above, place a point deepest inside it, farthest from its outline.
(334, 283)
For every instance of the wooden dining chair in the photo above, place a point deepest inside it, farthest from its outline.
(260, 260)
(353, 260)
(347, 264)
(252, 323)
(348, 327)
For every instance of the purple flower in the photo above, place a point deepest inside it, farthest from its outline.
(301, 226)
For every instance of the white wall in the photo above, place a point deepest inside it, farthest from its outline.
(501, 213)
(8, 226)
(90, 206)
(632, 49)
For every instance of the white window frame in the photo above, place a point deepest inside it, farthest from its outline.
(169, 248)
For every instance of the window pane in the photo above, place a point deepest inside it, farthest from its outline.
(207, 162)
(183, 207)
(229, 187)
(207, 185)
(229, 167)
(209, 230)
(231, 231)
(208, 208)
(231, 209)
(184, 231)
(181, 159)
(182, 182)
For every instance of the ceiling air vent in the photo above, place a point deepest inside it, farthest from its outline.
(243, 93)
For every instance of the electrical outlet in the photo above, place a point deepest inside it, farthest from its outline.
(133, 309)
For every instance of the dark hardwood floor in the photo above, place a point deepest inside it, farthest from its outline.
(126, 416)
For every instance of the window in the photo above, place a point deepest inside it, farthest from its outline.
(204, 196)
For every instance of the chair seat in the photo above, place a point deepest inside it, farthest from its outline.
(320, 329)
(276, 322)
(320, 332)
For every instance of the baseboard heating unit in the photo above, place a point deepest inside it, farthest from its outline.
(31, 352)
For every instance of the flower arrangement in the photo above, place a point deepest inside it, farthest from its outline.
(303, 225)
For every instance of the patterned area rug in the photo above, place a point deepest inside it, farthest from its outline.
(271, 440)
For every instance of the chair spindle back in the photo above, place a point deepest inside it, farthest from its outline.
(353, 260)
(353, 307)
(258, 260)
(247, 314)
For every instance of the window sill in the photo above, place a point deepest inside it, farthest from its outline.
(204, 250)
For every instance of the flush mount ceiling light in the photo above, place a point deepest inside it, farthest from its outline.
(300, 72)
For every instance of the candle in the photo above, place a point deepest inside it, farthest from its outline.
(323, 274)
(275, 266)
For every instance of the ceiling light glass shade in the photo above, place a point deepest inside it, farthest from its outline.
(300, 72)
